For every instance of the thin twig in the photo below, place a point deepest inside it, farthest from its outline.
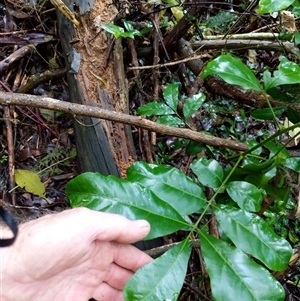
(191, 58)
(11, 151)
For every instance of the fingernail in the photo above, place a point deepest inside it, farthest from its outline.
(142, 223)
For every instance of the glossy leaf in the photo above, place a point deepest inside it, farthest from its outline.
(115, 30)
(30, 181)
(233, 71)
(266, 114)
(171, 95)
(245, 194)
(192, 104)
(288, 73)
(111, 194)
(234, 276)
(208, 172)
(154, 108)
(270, 6)
(170, 120)
(128, 25)
(167, 276)
(119, 32)
(170, 184)
(252, 143)
(292, 163)
(254, 236)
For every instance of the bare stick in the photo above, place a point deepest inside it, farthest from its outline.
(77, 109)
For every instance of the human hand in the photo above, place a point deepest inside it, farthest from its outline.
(72, 256)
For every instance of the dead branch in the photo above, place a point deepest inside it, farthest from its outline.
(40, 78)
(93, 111)
(245, 44)
(250, 97)
(184, 24)
(15, 56)
(11, 151)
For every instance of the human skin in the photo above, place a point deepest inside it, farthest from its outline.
(72, 256)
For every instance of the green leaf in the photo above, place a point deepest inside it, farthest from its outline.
(287, 73)
(170, 184)
(252, 143)
(30, 181)
(118, 31)
(270, 6)
(130, 34)
(233, 71)
(254, 236)
(115, 30)
(170, 120)
(154, 108)
(296, 9)
(220, 19)
(128, 25)
(266, 114)
(297, 38)
(194, 148)
(245, 194)
(292, 163)
(171, 95)
(192, 104)
(208, 172)
(161, 279)
(234, 276)
(111, 194)
(267, 80)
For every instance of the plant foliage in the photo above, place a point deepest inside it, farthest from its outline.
(167, 110)
(248, 250)
(149, 192)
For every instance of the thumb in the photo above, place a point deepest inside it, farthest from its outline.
(115, 227)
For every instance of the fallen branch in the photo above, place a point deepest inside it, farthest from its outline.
(15, 56)
(91, 111)
(245, 36)
(245, 44)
